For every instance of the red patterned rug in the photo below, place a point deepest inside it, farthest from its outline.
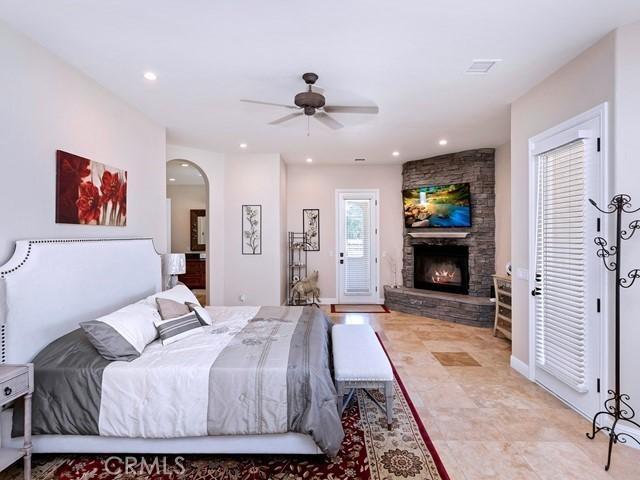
(369, 451)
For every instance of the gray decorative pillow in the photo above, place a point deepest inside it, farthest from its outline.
(170, 308)
(123, 334)
(109, 343)
(201, 312)
(178, 328)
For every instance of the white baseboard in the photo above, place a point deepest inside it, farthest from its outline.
(328, 301)
(520, 367)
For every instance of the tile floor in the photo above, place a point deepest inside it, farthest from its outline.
(486, 420)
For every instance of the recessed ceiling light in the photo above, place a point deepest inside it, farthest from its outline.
(309, 160)
(150, 76)
(184, 164)
(396, 154)
(243, 145)
(172, 179)
(443, 142)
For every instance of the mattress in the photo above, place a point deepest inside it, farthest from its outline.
(256, 370)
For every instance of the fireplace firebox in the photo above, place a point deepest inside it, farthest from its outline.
(443, 268)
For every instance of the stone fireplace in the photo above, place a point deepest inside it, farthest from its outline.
(459, 296)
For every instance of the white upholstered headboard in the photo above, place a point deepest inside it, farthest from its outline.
(49, 286)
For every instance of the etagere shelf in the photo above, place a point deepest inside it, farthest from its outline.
(297, 265)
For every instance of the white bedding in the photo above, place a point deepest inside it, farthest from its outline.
(171, 382)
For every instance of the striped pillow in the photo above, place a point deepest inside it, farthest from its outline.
(178, 328)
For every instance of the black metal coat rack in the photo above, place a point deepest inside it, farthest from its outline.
(616, 407)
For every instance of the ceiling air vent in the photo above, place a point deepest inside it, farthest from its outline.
(359, 159)
(481, 66)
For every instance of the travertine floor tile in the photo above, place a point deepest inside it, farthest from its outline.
(483, 460)
(456, 359)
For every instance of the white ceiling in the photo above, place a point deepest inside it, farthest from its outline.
(183, 173)
(408, 57)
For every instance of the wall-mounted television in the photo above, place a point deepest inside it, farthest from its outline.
(438, 206)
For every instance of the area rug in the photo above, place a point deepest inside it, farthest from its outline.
(369, 451)
(347, 308)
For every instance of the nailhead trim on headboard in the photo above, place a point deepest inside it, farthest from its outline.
(3, 344)
(3, 328)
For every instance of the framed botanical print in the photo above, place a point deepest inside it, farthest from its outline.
(252, 229)
(311, 228)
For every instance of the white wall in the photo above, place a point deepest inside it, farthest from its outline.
(583, 83)
(626, 177)
(184, 198)
(314, 186)
(47, 105)
(503, 207)
(253, 180)
(284, 239)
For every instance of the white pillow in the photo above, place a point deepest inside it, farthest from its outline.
(201, 312)
(179, 293)
(123, 334)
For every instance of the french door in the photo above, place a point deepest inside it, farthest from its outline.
(357, 246)
(567, 281)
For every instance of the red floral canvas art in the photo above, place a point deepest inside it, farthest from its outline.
(89, 193)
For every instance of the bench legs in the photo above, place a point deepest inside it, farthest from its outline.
(388, 396)
(340, 392)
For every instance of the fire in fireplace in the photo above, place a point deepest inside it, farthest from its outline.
(441, 267)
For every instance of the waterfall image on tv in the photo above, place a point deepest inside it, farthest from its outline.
(438, 206)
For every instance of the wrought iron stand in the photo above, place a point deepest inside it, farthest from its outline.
(616, 408)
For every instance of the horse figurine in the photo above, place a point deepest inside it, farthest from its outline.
(305, 288)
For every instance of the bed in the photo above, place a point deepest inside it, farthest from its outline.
(256, 381)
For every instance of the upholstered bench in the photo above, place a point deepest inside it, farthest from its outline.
(360, 362)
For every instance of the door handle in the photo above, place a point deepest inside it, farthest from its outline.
(536, 292)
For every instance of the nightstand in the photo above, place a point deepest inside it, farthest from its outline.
(17, 381)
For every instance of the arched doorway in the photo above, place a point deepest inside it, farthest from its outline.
(188, 226)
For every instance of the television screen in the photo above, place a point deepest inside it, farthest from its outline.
(438, 206)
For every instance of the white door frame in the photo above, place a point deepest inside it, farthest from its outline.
(375, 239)
(600, 113)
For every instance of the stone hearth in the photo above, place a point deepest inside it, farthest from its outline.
(453, 307)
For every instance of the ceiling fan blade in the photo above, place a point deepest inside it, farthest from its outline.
(270, 104)
(350, 109)
(328, 120)
(286, 118)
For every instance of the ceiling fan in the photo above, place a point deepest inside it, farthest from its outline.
(312, 104)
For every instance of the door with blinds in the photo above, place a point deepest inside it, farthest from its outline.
(357, 247)
(567, 282)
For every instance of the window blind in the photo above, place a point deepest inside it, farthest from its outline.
(560, 264)
(357, 246)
